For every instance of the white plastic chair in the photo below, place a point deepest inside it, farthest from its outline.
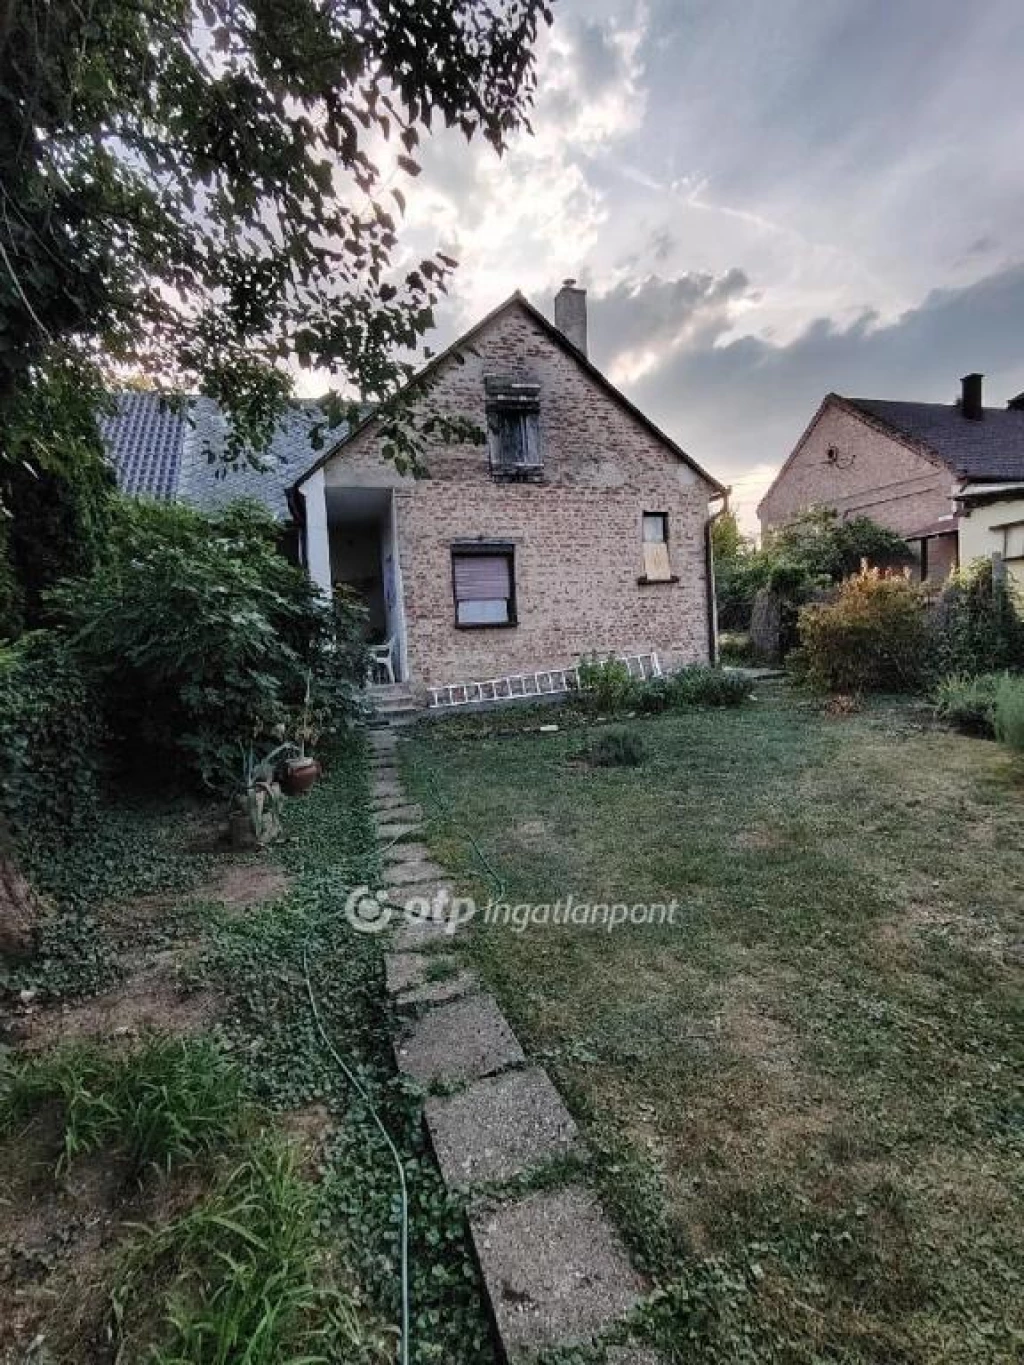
(382, 659)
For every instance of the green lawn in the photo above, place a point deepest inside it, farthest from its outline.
(804, 1097)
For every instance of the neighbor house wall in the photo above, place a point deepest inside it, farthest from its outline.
(577, 536)
(979, 540)
(873, 475)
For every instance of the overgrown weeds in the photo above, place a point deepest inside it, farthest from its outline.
(247, 1274)
(169, 1102)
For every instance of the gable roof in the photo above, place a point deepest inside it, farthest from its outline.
(162, 452)
(143, 438)
(553, 334)
(989, 448)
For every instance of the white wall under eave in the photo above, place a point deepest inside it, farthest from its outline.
(984, 531)
(318, 544)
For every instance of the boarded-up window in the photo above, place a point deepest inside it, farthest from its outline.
(483, 579)
(655, 542)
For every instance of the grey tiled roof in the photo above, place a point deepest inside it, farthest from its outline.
(209, 483)
(143, 439)
(162, 454)
(992, 448)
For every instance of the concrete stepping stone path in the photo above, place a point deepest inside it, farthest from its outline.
(500, 1128)
(391, 832)
(408, 873)
(413, 979)
(460, 1041)
(554, 1269)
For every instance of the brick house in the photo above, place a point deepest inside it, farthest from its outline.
(575, 526)
(947, 477)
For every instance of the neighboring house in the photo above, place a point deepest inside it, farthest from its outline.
(576, 526)
(947, 477)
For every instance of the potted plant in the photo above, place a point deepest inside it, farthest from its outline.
(255, 819)
(301, 769)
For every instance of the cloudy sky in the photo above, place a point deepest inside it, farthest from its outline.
(767, 199)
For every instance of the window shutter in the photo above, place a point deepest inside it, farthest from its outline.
(531, 440)
(482, 578)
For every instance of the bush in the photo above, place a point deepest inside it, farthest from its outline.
(1009, 712)
(977, 625)
(968, 703)
(616, 749)
(607, 685)
(700, 685)
(204, 637)
(871, 638)
(50, 737)
(734, 648)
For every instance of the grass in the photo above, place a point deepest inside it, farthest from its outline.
(805, 1097)
(163, 1105)
(246, 1275)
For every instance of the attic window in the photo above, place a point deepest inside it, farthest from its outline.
(513, 429)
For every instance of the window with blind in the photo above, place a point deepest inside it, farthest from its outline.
(657, 568)
(483, 581)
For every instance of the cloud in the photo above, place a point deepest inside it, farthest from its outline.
(739, 405)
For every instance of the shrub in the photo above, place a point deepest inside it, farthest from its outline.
(700, 685)
(977, 626)
(606, 684)
(968, 703)
(734, 648)
(204, 636)
(50, 737)
(1009, 712)
(616, 749)
(872, 637)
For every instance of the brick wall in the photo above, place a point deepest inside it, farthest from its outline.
(874, 476)
(577, 536)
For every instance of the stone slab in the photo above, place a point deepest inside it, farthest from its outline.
(386, 787)
(406, 874)
(500, 1127)
(633, 1355)
(438, 991)
(388, 803)
(461, 1041)
(403, 970)
(404, 814)
(420, 934)
(407, 852)
(419, 979)
(555, 1272)
(392, 831)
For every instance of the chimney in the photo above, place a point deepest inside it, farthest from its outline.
(970, 398)
(571, 314)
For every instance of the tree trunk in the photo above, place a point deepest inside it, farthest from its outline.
(21, 910)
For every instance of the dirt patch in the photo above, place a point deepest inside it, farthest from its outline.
(309, 1128)
(238, 885)
(759, 838)
(980, 935)
(151, 1000)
